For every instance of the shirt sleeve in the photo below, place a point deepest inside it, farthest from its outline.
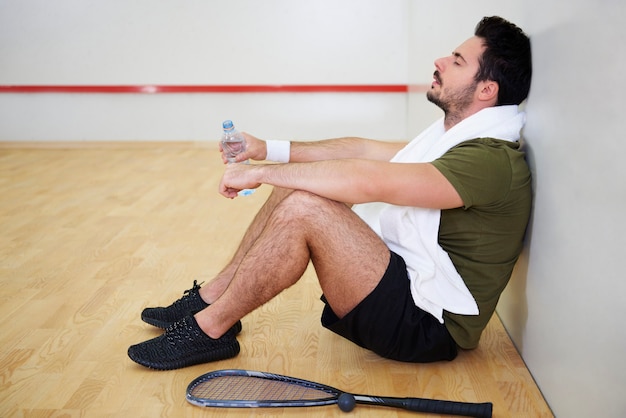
(479, 170)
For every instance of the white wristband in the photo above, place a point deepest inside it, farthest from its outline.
(278, 151)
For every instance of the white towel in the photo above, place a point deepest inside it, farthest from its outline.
(413, 232)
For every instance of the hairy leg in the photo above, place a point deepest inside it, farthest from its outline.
(348, 256)
(213, 290)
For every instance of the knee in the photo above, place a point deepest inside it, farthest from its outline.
(308, 200)
(303, 204)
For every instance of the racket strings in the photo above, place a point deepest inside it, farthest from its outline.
(246, 388)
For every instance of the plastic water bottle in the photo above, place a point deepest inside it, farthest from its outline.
(233, 144)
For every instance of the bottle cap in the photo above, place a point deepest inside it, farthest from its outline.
(227, 124)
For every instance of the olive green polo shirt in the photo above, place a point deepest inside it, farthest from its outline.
(484, 238)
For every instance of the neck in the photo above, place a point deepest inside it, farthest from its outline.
(453, 117)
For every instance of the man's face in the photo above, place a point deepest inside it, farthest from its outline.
(454, 87)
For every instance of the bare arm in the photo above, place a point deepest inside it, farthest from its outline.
(329, 149)
(341, 148)
(351, 181)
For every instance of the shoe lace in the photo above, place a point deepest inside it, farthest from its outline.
(189, 292)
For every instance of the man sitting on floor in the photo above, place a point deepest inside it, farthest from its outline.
(412, 243)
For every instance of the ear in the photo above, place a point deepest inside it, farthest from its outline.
(488, 91)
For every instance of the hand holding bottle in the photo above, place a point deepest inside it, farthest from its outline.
(255, 149)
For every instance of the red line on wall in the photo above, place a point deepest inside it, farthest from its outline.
(151, 89)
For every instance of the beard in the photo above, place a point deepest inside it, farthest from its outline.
(456, 101)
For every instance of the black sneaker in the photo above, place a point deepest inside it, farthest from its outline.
(190, 304)
(183, 344)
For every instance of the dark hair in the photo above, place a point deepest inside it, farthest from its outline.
(506, 59)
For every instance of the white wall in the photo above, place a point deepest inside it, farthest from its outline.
(201, 42)
(564, 305)
(198, 117)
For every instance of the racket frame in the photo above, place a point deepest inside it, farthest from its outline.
(333, 394)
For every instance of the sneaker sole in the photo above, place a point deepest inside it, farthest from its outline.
(217, 354)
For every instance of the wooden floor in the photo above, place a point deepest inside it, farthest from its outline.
(91, 235)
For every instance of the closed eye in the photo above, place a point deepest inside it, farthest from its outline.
(458, 58)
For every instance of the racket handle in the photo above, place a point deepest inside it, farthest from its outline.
(479, 410)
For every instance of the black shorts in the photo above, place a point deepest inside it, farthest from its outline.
(388, 323)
